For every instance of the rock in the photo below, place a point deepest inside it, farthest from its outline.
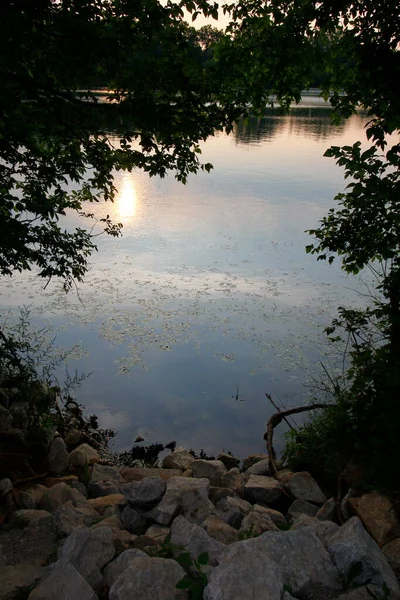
(32, 518)
(105, 473)
(99, 489)
(63, 583)
(302, 507)
(327, 512)
(234, 481)
(244, 573)
(228, 460)
(102, 503)
(259, 468)
(32, 497)
(13, 578)
(68, 517)
(84, 455)
(149, 579)
(233, 510)
(219, 530)
(81, 487)
(73, 437)
(218, 493)
(180, 459)
(305, 564)
(378, 516)
(304, 487)
(392, 553)
(59, 494)
(145, 493)
(89, 551)
(366, 592)
(255, 523)
(354, 475)
(262, 490)
(133, 521)
(138, 473)
(345, 507)
(5, 487)
(195, 540)
(275, 516)
(122, 539)
(145, 543)
(114, 569)
(252, 459)
(324, 530)
(158, 532)
(58, 457)
(213, 470)
(186, 495)
(355, 553)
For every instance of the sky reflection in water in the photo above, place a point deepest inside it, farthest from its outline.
(209, 290)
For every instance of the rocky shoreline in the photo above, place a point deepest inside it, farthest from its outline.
(220, 529)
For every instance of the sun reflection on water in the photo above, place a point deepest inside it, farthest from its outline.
(126, 198)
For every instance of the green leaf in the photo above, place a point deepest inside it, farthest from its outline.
(203, 558)
(185, 583)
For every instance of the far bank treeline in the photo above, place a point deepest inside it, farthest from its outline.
(171, 87)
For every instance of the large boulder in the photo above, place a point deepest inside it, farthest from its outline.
(63, 583)
(327, 512)
(252, 459)
(302, 486)
(84, 455)
(233, 510)
(32, 518)
(58, 457)
(132, 520)
(324, 530)
(305, 564)
(102, 488)
(378, 516)
(59, 494)
(145, 493)
(138, 473)
(31, 498)
(14, 579)
(262, 490)
(89, 551)
(302, 507)
(392, 553)
(183, 495)
(114, 569)
(149, 579)
(275, 516)
(233, 480)
(229, 461)
(68, 517)
(180, 459)
(105, 473)
(219, 530)
(259, 468)
(358, 558)
(213, 470)
(256, 523)
(244, 573)
(103, 503)
(195, 540)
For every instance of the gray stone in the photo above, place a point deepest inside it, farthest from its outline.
(324, 530)
(327, 512)
(345, 506)
(353, 548)
(102, 488)
(259, 468)
(243, 574)
(392, 553)
(32, 518)
(114, 569)
(195, 540)
(13, 578)
(213, 470)
(145, 493)
(367, 592)
(277, 517)
(138, 473)
(32, 497)
(233, 480)
(229, 461)
(304, 487)
(81, 487)
(84, 455)
(233, 510)
(255, 523)
(305, 564)
(262, 490)
(218, 493)
(73, 437)
(59, 494)
(68, 517)
(89, 550)
(302, 507)
(180, 459)
(63, 583)
(186, 495)
(149, 579)
(219, 530)
(132, 520)
(377, 514)
(252, 459)
(105, 473)
(58, 457)
(158, 532)
(5, 487)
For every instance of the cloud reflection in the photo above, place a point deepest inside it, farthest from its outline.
(126, 198)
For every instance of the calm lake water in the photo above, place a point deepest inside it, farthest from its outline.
(209, 294)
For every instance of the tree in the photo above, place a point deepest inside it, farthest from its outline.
(54, 129)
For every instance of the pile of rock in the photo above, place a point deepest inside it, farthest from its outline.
(95, 533)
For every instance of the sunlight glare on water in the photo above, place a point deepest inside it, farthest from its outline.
(126, 201)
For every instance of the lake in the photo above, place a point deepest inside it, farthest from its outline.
(209, 299)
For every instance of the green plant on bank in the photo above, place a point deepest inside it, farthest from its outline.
(196, 579)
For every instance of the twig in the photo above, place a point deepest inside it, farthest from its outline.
(274, 420)
(279, 410)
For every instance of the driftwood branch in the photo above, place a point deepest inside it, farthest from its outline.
(274, 421)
